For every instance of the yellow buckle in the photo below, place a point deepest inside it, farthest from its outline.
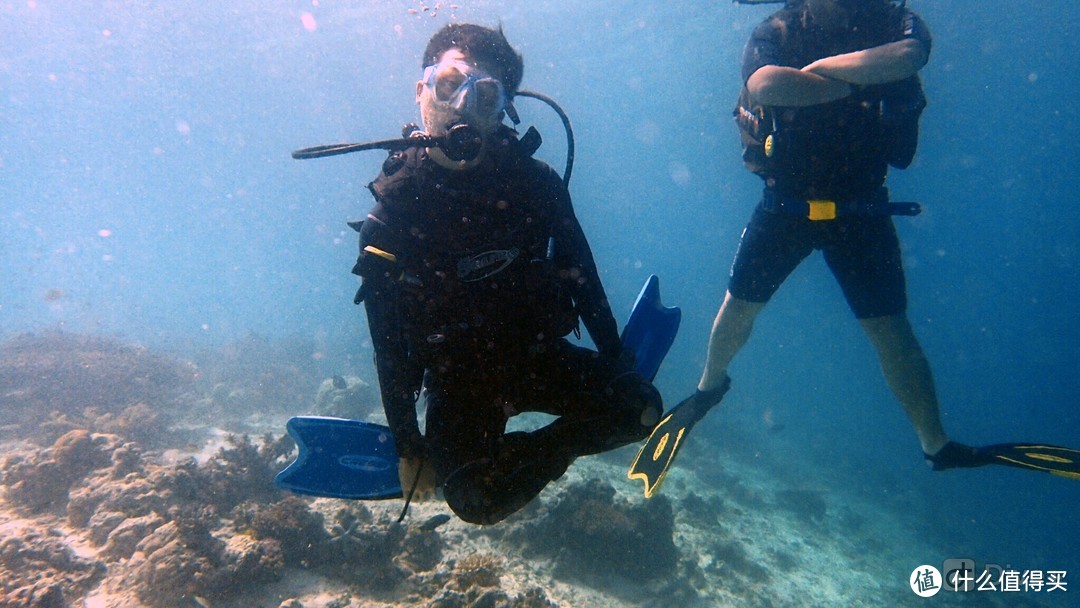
(822, 210)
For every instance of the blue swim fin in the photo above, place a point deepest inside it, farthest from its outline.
(341, 458)
(651, 329)
(353, 459)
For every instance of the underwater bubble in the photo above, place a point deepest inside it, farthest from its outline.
(680, 173)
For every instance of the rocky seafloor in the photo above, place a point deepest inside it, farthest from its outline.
(131, 478)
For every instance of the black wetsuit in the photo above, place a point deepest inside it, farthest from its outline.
(838, 151)
(471, 281)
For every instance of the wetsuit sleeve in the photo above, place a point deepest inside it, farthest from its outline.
(399, 378)
(572, 252)
(762, 49)
(915, 28)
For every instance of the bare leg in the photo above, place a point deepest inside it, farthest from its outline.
(908, 375)
(730, 331)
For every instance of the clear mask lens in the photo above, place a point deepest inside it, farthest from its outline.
(460, 87)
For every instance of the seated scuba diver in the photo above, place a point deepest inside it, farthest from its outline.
(474, 270)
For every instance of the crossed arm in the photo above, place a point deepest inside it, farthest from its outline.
(832, 78)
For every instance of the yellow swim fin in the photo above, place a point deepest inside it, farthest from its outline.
(1064, 462)
(655, 457)
(1052, 459)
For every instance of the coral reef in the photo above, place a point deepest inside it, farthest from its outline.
(95, 511)
(480, 597)
(167, 521)
(476, 570)
(581, 528)
(180, 550)
(702, 510)
(807, 505)
(42, 481)
(80, 379)
(255, 376)
(244, 471)
(732, 557)
(106, 498)
(38, 568)
(183, 558)
(288, 521)
(474, 580)
(423, 548)
(362, 550)
(346, 397)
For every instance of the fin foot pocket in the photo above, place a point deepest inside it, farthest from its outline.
(955, 455)
(655, 457)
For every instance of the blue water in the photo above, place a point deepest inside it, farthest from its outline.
(146, 191)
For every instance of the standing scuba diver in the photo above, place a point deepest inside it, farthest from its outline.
(831, 98)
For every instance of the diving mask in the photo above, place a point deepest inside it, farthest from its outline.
(464, 89)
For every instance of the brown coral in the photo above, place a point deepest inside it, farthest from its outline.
(42, 481)
(58, 375)
(363, 551)
(593, 534)
(37, 568)
(477, 570)
(177, 559)
(423, 549)
(184, 558)
(243, 471)
(288, 521)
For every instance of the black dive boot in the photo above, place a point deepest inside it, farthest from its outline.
(487, 491)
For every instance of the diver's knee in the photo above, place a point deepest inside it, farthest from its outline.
(650, 417)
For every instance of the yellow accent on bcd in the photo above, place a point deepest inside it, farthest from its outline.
(386, 255)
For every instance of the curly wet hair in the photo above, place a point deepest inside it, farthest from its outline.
(485, 45)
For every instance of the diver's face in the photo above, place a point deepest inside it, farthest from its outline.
(458, 89)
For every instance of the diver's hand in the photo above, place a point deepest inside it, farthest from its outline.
(425, 484)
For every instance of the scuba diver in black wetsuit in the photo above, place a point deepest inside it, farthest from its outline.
(474, 269)
(831, 99)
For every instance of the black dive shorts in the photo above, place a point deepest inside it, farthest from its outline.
(863, 253)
